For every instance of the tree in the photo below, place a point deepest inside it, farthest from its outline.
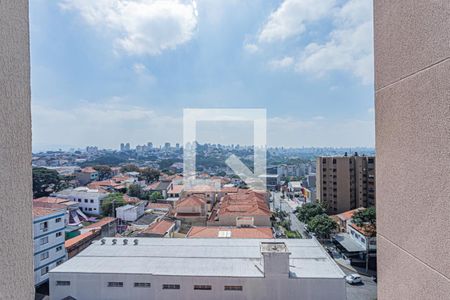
(155, 196)
(308, 211)
(107, 203)
(322, 225)
(149, 174)
(366, 219)
(44, 181)
(129, 168)
(135, 190)
(104, 172)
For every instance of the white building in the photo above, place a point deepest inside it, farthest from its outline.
(130, 212)
(89, 200)
(48, 235)
(160, 268)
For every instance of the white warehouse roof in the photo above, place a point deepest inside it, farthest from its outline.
(198, 257)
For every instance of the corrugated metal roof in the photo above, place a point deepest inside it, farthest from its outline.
(198, 257)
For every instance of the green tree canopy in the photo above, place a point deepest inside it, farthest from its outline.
(44, 181)
(129, 168)
(366, 219)
(149, 174)
(135, 190)
(104, 172)
(107, 203)
(308, 211)
(155, 196)
(322, 225)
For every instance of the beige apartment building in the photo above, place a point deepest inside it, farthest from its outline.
(345, 182)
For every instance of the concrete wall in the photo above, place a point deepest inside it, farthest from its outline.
(16, 259)
(412, 66)
(94, 286)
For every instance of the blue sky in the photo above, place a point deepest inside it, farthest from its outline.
(110, 71)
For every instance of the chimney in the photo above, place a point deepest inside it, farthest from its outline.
(275, 259)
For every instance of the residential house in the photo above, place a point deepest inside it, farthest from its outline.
(107, 227)
(246, 208)
(191, 210)
(86, 175)
(89, 200)
(159, 228)
(130, 212)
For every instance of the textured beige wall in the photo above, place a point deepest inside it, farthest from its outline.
(16, 256)
(412, 66)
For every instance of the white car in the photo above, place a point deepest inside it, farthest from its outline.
(353, 279)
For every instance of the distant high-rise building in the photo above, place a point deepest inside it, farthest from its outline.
(149, 145)
(122, 147)
(177, 146)
(345, 182)
(166, 145)
(127, 147)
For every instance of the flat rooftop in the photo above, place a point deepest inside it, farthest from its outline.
(198, 257)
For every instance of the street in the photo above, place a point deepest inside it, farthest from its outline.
(367, 290)
(281, 204)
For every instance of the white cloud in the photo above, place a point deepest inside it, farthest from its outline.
(290, 18)
(282, 63)
(143, 73)
(140, 27)
(349, 47)
(251, 48)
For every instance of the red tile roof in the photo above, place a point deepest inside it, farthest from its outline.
(100, 223)
(50, 200)
(79, 239)
(159, 227)
(190, 201)
(243, 203)
(237, 233)
(39, 211)
(88, 170)
(347, 215)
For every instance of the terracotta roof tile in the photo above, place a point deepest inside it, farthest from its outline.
(234, 232)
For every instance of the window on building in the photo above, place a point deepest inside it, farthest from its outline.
(44, 226)
(44, 271)
(79, 200)
(202, 287)
(92, 201)
(62, 283)
(233, 288)
(44, 255)
(142, 284)
(58, 220)
(44, 240)
(85, 200)
(58, 234)
(334, 160)
(115, 284)
(59, 262)
(171, 286)
(59, 248)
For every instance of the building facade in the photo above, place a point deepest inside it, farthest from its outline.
(161, 268)
(412, 88)
(48, 239)
(89, 200)
(345, 182)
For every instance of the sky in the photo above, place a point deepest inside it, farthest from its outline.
(110, 71)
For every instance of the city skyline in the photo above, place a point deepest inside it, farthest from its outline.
(108, 73)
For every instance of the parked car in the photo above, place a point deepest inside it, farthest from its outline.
(353, 279)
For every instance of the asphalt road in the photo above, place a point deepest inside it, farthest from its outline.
(296, 225)
(367, 290)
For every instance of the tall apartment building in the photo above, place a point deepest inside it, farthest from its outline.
(345, 182)
(48, 238)
(201, 269)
